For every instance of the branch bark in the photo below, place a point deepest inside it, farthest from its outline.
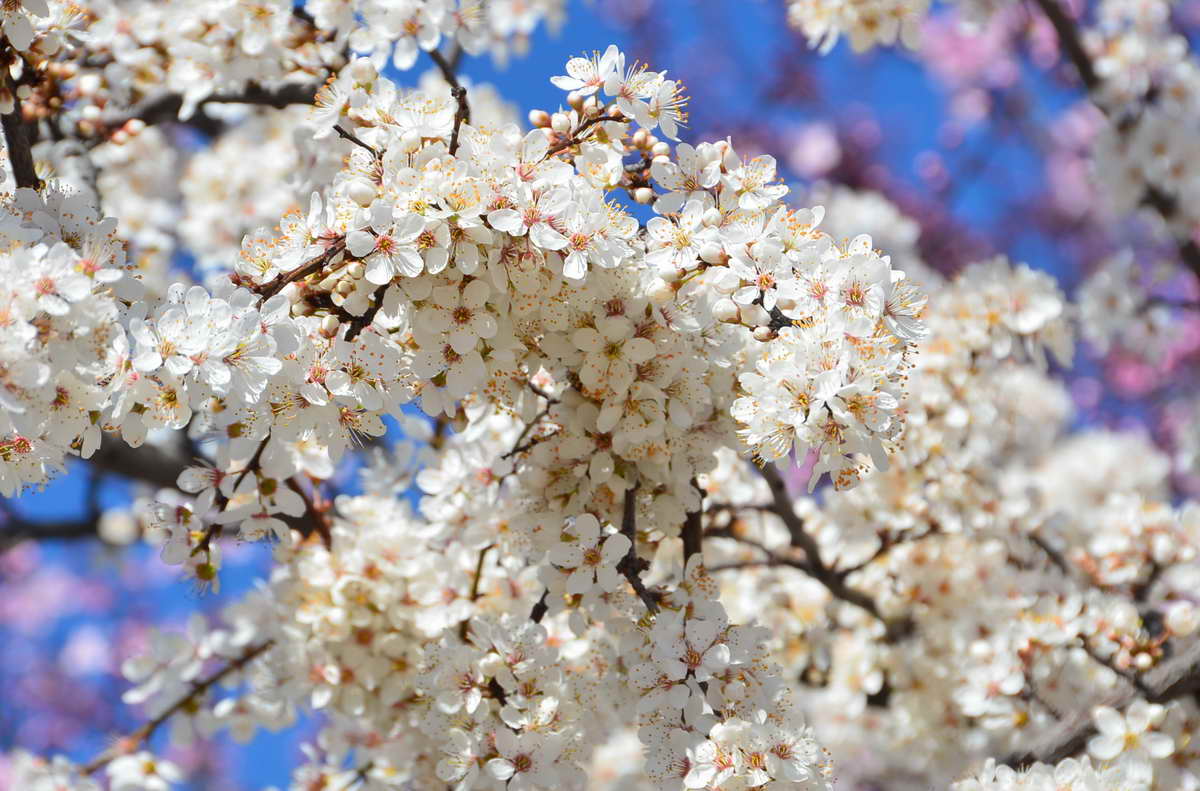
(16, 139)
(463, 113)
(1173, 679)
(134, 740)
(1072, 44)
(816, 567)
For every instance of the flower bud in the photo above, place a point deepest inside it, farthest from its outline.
(661, 292)
(725, 310)
(330, 326)
(362, 70)
(660, 149)
(411, 141)
(640, 138)
(668, 272)
(539, 119)
(755, 316)
(763, 334)
(711, 218)
(345, 287)
(361, 192)
(643, 195)
(1182, 619)
(713, 253)
(560, 123)
(591, 106)
(356, 270)
(575, 100)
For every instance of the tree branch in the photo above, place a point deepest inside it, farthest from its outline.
(16, 139)
(1072, 44)
(1170, 680)
(165, 107)
(897, 628)
(130, 743)
(463, 113)
(631, 566)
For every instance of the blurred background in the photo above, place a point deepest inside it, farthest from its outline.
(973, 147)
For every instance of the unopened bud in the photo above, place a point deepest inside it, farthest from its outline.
(725, 310)
(356, 270)
(330, 326)
(539, 119)
(345, 287)
(1182, 618)
(362, 70)
(713, 253)
(711, 218)
(661, 292)
(411, 141)
(560, 123)
(660, 149)
(669, 272)
(614, 112)
(575, 99)
(763, 334)
(135, 126)
(643, 195)
(361, 192)
(591, 106)
(755, 316)
(640, 138)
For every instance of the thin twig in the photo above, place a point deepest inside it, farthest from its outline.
(360, 323)
(693, 529)
(309, 267)
(1072, 44)
(463, 113)
(631, 566)
(134, 740)
(897, 628)
(342, 133)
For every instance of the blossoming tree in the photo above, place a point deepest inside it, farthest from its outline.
(584, 567)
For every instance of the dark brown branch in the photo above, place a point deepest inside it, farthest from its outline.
(1176, 678)
(1071, 43)
(165, 108)
(133, 741)
(539, 610)
(474, 595)
(816, 567)
(317, 516)
(309, 267)
(342, 133)
(463, 113)
(693, 529)
(575, 138)
(16, 139)
(360, 323)
(631, 566)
